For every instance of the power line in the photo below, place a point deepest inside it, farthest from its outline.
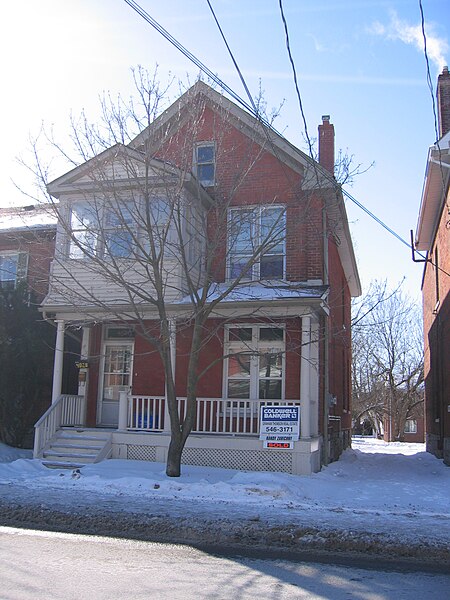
(151, 21)
(288, 47)
(433, 102)
(233, 59)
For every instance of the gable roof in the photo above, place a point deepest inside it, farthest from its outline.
(85, 177)
(174, 117)
(314, 175)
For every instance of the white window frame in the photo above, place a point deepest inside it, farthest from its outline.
(410, 426)
(74, 252)
(257, 348)
(255, 271)
(21, 269)
(99, 231)
(197, 164)
(122, 227)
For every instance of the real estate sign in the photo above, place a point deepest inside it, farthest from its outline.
(279, 426)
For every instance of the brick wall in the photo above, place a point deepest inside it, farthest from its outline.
(436, 315)
(247, 174)
(40, 247)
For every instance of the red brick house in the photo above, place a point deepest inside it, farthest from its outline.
(279, 337)
(27, 243)
(433, 237)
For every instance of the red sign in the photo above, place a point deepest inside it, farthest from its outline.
(284, 445)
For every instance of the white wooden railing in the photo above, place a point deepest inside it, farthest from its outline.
(66, 411)
(145, 413)
(213, 415)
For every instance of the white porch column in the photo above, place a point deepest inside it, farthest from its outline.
(58, 361)
(305, 368)
(123, 411)
(314, 378)
(84, 356)
(173, 355)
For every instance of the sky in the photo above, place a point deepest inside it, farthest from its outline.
(360, 61)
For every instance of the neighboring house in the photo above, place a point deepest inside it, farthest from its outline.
(433, 237)
(27, 244)
(281, 337)
(414, 430)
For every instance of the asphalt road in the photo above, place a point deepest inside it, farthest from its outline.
(50, 565)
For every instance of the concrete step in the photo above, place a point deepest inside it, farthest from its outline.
(55, 455)
(62, 464)
(56, 445)
(74, 448)
(93, 437)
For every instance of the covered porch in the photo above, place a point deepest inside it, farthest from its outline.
(225, 434)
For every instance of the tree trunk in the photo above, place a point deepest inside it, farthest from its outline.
(173, 465)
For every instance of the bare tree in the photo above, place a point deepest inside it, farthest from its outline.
(149, 233)
(387, 368)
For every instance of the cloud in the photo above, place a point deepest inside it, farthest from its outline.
(397, 29)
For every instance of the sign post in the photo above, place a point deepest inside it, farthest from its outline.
(279, 426)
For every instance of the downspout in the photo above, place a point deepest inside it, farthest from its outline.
(326, 382)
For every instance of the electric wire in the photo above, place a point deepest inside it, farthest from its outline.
(151, 21)
(433, 102)
(294, 71)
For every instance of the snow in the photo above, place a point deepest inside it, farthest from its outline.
(395, 488)
(270, 290)
(34, 217)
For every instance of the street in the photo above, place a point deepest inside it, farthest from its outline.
(56, 566)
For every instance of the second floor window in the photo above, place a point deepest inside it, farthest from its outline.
(13, 268)
(205, 163)
(256, 242)
(84, 225)
(119, 232)
(96, 232)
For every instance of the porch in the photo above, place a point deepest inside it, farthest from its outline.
(225, 434)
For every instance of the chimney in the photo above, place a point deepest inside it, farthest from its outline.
(326, 144)
(443, 101)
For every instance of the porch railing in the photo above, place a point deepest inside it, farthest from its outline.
(146, 413)
(213, 415)
(68, 410)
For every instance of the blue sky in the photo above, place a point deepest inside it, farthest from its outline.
(361, 61)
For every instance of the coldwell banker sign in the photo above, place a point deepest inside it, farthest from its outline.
(280, 426)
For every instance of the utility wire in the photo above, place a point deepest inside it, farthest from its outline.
(255, 109)
(430, 87)
(137, 8)
(294, 71)
(429, 82)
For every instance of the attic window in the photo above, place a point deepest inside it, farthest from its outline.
(205, 163)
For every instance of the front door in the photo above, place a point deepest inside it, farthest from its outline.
(116, 377)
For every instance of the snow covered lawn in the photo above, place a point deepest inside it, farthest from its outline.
(395, 490)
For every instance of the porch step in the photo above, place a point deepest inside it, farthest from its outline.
(61, 465)
(75, 448)
(63, 455)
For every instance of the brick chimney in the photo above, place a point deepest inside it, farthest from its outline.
(443, 102)
(326, 144)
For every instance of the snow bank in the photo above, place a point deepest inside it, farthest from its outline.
(377, 487)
